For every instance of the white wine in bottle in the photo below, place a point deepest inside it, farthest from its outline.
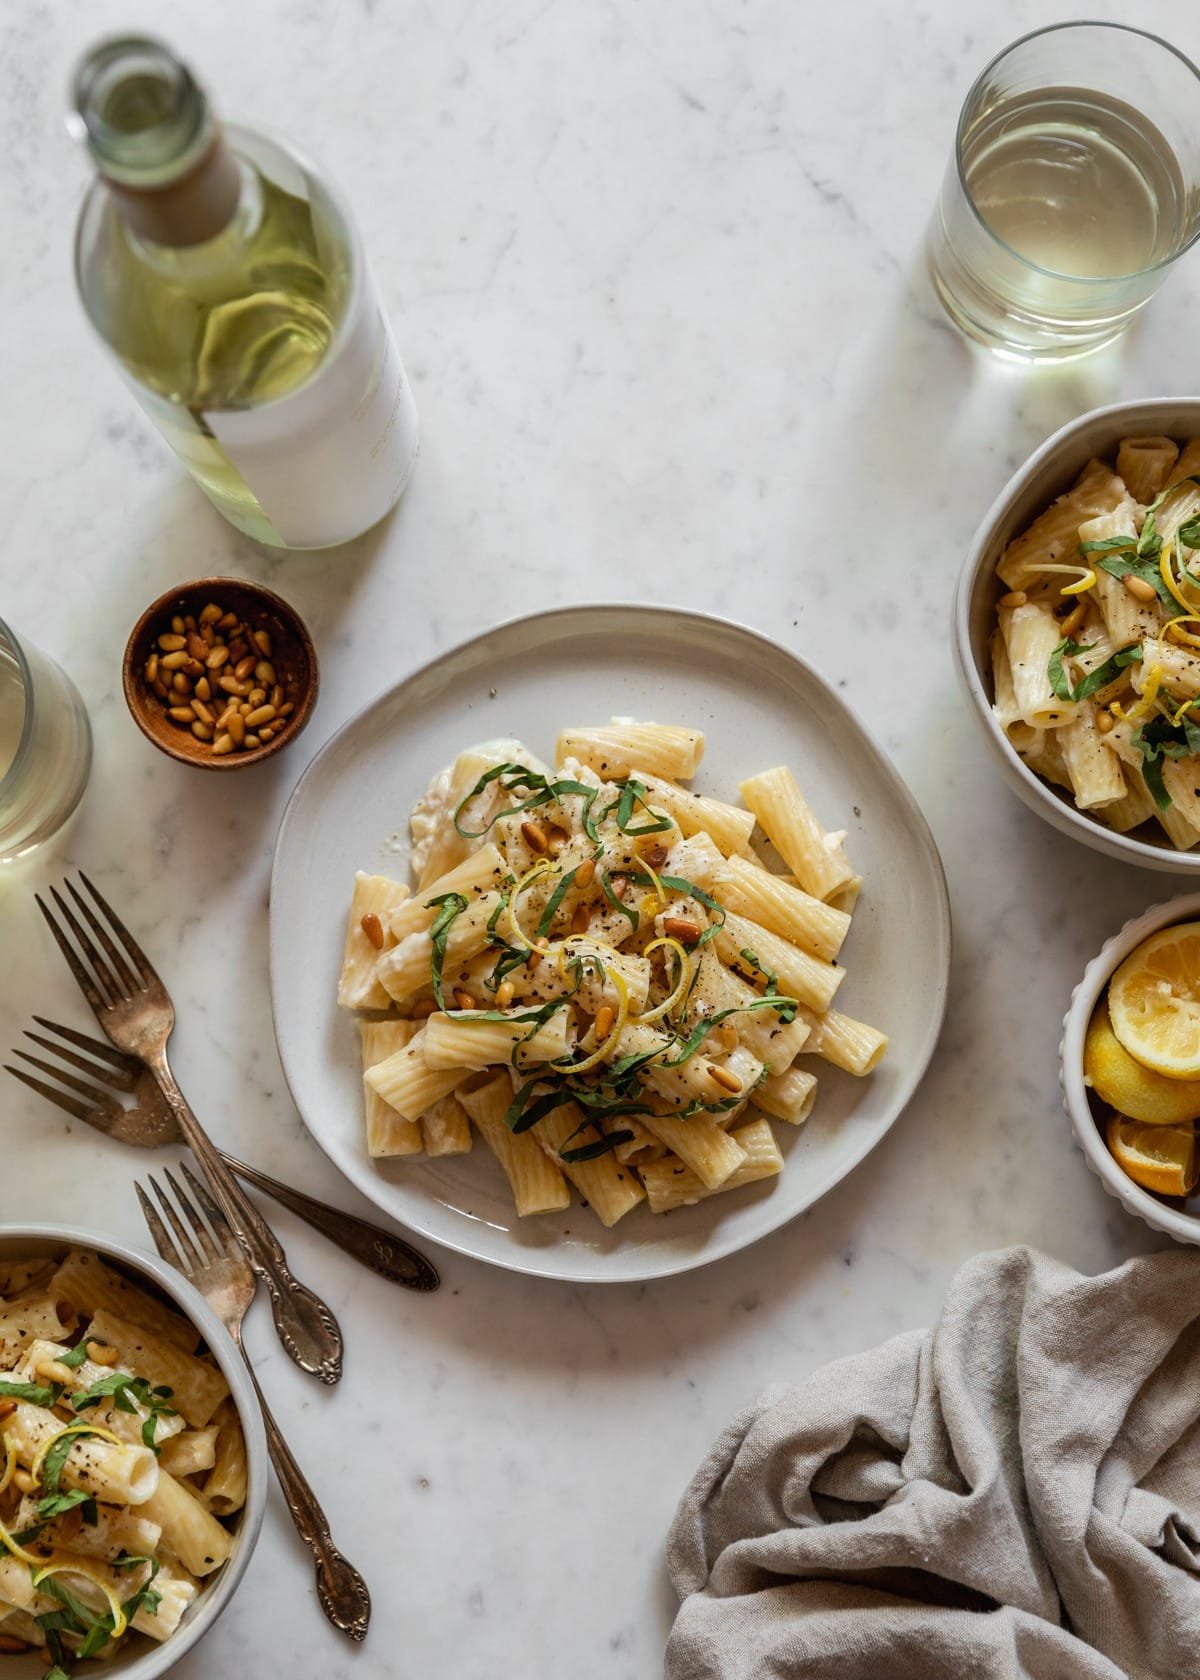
(226, 276)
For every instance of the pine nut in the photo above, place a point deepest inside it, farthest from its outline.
(192, 668)
(171, 644)
(265, 672)
(1073, 619)
(620, 886)
(7, 1408)
(260, 714)
(277, 696)
(236, 725)
(223, 744)
(197, 646)
(239, 648)
(180, 683)
(287, 709)
(244, 667)
(101, 1354)
(203, 689)
(1139, 588)
(178, 625)
(218, 657)
(463, 999)
(250, 742)
(257, 697)
(422, 1009)
(232, 686)
(152, 668)
(681, 928)
(202, 731)
(203, 712)
(172, 661)
(585, 872)
(181, 714)
(263, 643)
(1014, 598)
(534, 836)
(505, 992)
(269, 731)
(533, 960)
(24, 1481)
(603, 1024)
(210, 614)
(727, 1080)
(656, 856)
(227, 621)
(373, 928)
(1105, 721)
(727, 1035)
(581, 918)
(160, 688)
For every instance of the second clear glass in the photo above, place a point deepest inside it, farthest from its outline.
(45, 748)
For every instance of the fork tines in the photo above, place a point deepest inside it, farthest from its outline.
(117, 970)
(216, 1238)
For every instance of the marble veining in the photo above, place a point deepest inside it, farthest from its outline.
(655, 274)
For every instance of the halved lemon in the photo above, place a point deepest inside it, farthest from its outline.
(1160, 1158)
(1154, 1002)
(1130, 1088)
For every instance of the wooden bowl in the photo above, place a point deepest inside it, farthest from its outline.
(292, 654)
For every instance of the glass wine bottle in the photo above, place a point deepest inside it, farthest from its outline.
(226, 276)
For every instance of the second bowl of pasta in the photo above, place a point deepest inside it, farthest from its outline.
(1077, 631)
(132, 1458)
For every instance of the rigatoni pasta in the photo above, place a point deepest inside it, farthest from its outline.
(1096, 659)
(606, 981)
(104, 1527)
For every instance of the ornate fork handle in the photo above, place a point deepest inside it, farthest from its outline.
(341, 1589)
(306, 1327)
(391, 1257)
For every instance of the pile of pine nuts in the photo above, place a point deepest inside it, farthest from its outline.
(215, 676)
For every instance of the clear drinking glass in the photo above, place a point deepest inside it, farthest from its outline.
(1074, 185)
(45, 747)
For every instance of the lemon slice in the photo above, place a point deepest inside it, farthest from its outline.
(1154, 1002)
(1130, 1088)
(1160, 1158)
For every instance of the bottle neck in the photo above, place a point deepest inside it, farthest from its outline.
(189, 210)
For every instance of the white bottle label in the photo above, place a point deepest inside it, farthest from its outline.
(328, 461)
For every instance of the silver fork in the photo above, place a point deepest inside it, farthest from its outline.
(222, 1276)
(149, 1124)
(133, 1007)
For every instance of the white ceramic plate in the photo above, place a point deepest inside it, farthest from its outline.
(759, 706)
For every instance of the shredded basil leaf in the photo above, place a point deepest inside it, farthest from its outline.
(546, 919)
(76, 1357)
(37, 1394)
(124, 1390)
(1095, 680)
(701, 1031)
(57, 1504)
(56, 1457)
(606, 1142)
(1119, 566)
(787, 1014)
(1159, 739)
(606, 887)
(450, 906)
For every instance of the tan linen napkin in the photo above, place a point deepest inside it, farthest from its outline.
(1013, 1494)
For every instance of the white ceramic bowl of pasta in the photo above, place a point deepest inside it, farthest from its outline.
(1048, 472)
(142, 1659)
(1086, 1115)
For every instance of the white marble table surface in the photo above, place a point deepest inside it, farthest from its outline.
(655, 273)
